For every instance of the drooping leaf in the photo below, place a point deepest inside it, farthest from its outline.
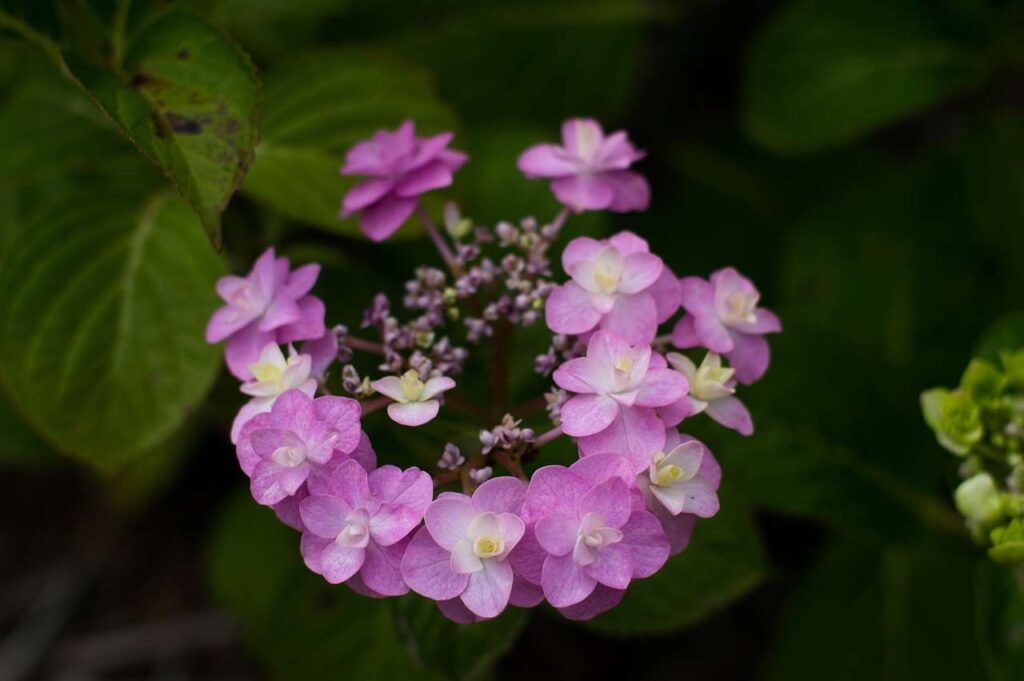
(890, 615)
(316, 108)
(101, 324)
(723, 562)
(825, 72)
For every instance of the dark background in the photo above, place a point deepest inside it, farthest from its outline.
(861, 160)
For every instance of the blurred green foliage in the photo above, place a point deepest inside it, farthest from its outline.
(860, 160)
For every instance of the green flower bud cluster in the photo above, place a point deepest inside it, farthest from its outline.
(982, 422)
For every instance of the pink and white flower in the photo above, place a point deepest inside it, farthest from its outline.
(273, 375)
(712, 391)
(618, 387)
(269, 305)
(590, 171)
(357, 524)
(462, 552)
(414, 401)
(617, 285)
(722, 315)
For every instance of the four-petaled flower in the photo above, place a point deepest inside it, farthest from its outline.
(462, 552)
(359, 521)
(401, 166)
(722, 315)
(273, 375)
(617, 285)
(414, 402)
(270, 305)
(712, 391)
(617, 388)
(590, 171)
(281, 449)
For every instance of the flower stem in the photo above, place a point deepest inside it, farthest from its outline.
(663, 339)
(499, 367)
(370, 406)
(545, 438)
(511, 463)
(439, 242)
(560, 219)
(364, 345)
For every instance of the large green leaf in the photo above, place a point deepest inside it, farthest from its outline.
(300, 626)
(101, 324)
(182, 92)
(316, 108)
(825, 72)
(723, 562)
(19, 445)
(892, 615)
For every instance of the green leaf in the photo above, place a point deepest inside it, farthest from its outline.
(459, 651)
(890, 616)
(19, 446)
(1006, 334)
(187, 98)
(316, 108)
(723, 562)
(1000, 621)
(101, 327)
(825, 72)
(300, 626)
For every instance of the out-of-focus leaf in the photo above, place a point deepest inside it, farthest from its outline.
(316, 108)
(269, 28)
(19, 446)
(1006, 334)
(892, 615)
(1000, 621)
(101, 324)
(723, 562)
(825, 72)
(457, 651)
(298, 624)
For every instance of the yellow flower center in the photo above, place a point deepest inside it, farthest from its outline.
(487, 547)
(412, 386)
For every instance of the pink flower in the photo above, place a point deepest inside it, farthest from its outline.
(273, 375)
(414, 402)
(617, 285)
(357, 524)
(618, 386)
(722, 315)
(589, 171)
(322, 352)
(712, 390)
(295, 441)
(269, 305)
(462, 552)
(589, 532)
(400, 166)
(680, 486)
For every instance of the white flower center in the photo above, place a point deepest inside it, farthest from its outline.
(289, 456)
(740, 306)
(592, 536)
(356, 533)
(412, 386)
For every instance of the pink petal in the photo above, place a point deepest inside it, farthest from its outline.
(583, 192)
(525, 594)
(301, 280)
(247, 412)
(527, 559)
(226, 321)
(582, 138)
(500, 495)
(312, 547)
(646, 540)
(455, 610)
(617, 152)
(636, 434)
(324, 516)
(413, 413)
(382, 568)
(426, 568)
(265, 273)
(365, 194)
(243, 349)
(448, 519)
(397, 487)
(598, 468)
(672, 415)
(640, 271)
(684, 335)
(661, 387)
(601, 600)
(435, 386)
(383, 218)
(283, 310)
(568, 310)
(677, 528)
(322, 353)
(605, 348)
(309, 325)
(580, 249)
(579, 376)
(340, 414)
(338, 563)
(364, 454)
(511, 529)
(765, 321)
(556, 533)
(613, 566)
(749, 356)
(488, 590)
(271, 483)
(666, 294)
(712, 333)
(428, 148)
(610, 500)
(287, 510)
(634, 318)
(349, 482)
(696, 295)
(565, 583)
(294, 411)
(588, 414)
(433, 175)
(731, 413)
(630, 191)
(552, 488)
(546, 160)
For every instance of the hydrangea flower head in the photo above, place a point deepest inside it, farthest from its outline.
(722, 315)
(414, 401)
(279, 450)
(590, 170)
(270, 305)
(359, 521)
(400, 167)
(273, 375)
(617, 285)
(712, 391)
(462, 552)
(617, 386)
(589, 530)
